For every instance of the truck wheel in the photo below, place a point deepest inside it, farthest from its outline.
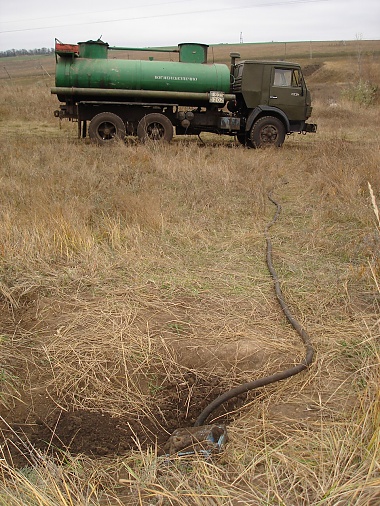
(155, 127)
(244, 140)
(267, 131)
(106, 127)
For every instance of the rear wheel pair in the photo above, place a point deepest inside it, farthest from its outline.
(266, 131)
(107, 127)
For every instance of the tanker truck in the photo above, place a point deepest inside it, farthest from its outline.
(257, 102)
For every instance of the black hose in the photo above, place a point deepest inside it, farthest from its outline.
(245, 387)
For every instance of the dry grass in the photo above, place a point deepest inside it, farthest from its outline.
(124, 268)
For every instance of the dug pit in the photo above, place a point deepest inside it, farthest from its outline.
(48, 418)
(99, 434)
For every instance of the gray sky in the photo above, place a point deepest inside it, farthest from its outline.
(35, 23)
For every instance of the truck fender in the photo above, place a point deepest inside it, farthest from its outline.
(269, 111)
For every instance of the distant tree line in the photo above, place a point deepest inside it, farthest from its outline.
(30, 52)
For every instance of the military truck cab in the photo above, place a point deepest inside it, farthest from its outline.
(275, 91)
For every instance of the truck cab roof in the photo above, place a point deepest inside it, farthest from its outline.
(264, 62)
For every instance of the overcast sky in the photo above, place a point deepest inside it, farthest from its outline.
(33, 24)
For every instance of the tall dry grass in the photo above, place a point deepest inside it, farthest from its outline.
(123, 269)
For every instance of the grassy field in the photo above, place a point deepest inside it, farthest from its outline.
(134, 290)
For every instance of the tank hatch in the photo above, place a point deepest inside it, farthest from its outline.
(193, 53)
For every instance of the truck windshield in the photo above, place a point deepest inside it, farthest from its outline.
(287, 77)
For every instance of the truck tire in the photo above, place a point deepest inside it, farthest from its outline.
(244, 139)
(267, 131)
(155, 127)
(106, 127)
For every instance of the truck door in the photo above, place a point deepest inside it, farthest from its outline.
(287, 92)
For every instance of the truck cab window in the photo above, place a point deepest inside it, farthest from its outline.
(296, 78)
(287, 77)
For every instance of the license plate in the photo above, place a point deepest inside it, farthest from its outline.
(216, 97)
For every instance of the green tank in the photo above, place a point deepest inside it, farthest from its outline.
(94, 72)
